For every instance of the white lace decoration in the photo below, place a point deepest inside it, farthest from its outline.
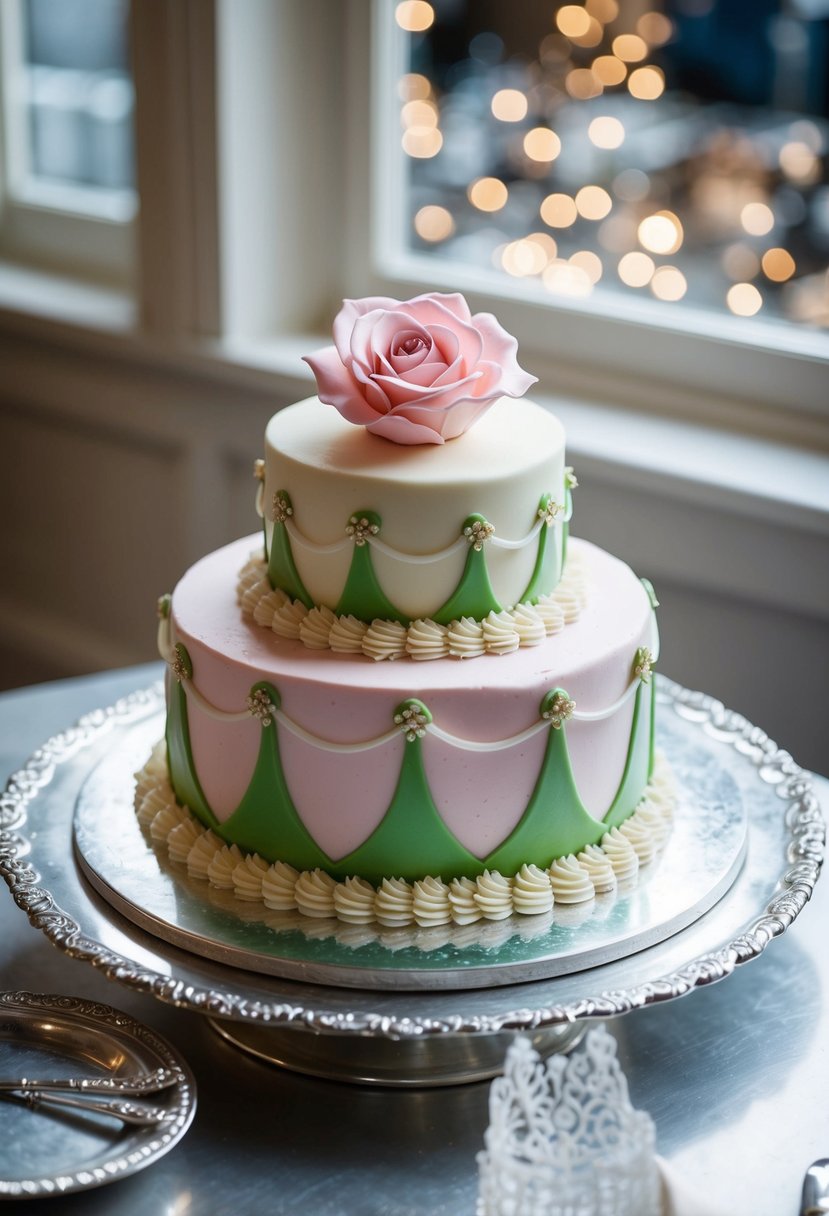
(563, 1137)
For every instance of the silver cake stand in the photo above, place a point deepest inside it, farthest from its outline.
(424, 1012)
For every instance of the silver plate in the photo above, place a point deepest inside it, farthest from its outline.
(786, 835)
(45, 1152)
(703, 857)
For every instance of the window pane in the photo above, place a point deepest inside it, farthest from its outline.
(673, 149)
(74, 110)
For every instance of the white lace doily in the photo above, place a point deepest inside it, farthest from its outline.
(563, 1138)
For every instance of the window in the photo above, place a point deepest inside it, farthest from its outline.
(676, 150)
(68, 156)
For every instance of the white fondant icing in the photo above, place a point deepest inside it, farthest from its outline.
(423, 495)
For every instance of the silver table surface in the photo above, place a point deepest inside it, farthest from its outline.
(736, 1076)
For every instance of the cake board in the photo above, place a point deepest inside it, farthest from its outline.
(782, 864)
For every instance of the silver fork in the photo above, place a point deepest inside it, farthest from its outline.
(125, 1087)
(136, 1113)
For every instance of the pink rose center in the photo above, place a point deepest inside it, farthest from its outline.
(411, 345)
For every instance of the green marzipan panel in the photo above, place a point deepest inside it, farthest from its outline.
(282, 571)
(362, 595)
(639, 762)
(652, 749)
(266, 821)
(474, 595)
(185, 783)
(546, 573)
(412, 832)
(555, 822)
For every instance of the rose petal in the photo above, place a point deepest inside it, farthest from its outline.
(372, 391)
(452, 303)
(400, 429)
(501, 348)
(400, 359)
(446, 341)
(374, 335)
(348, 315)
(461, 418)
(336, 386)
(402, 392)
(425, 376)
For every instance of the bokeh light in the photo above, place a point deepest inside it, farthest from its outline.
(757, 219)
(799, 163)
(589, 262)
(566, 279)
(593, 35)
(559, 210)
(419, 113)
(593, 203)
(605, 11)
(422, 142)
(606, 132)
(630, 47)
(646, 84)
(668, 283)
(541, 144)
(636, 269)
(488, 194)
(523, 258)
(572, 20)
(661, 233)
(413, 87)
(778, 265)
(509, 105)
(609, 70)
(581, 84)
(414, 16)
(655, 28)
(744, 299)
(434, 223)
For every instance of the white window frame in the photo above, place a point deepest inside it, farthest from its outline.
(71, 228)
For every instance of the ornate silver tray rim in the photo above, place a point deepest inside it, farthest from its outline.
(801, 858)
(137, 1147)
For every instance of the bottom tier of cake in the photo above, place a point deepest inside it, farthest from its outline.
(332, 763)
(336, 764)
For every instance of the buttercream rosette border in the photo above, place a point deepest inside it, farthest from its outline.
(302, 897)
(319, 628)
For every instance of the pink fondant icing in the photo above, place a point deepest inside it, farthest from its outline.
(482, 795)
(340, 798)
(347, 699)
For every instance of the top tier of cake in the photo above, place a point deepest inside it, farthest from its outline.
(377, 530)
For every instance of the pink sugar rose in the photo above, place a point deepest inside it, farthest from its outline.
(420, 371)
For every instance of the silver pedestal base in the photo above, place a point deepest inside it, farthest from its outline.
(410, 1063)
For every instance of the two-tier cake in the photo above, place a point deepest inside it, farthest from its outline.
(414, 697)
